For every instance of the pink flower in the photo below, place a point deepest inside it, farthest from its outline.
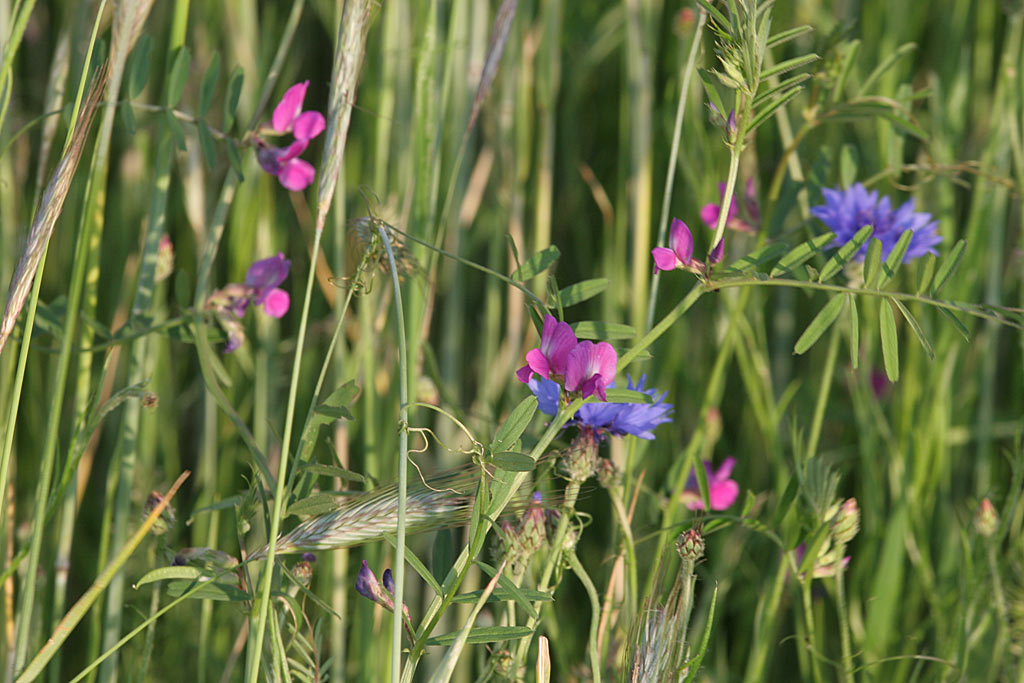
(709, 213)
(591, 367)
(722, 491)
(680, 251)
(263, 279)
(283, 162)
(556, 341)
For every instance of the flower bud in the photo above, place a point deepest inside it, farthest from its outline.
(303, 569)
(690, 545)
(986, 519)
(580, 459)
(846, 523)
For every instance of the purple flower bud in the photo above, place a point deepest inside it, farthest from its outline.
(730, 125)
(717, 253)
(389, 581)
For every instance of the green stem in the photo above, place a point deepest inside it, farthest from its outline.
(824, 391)
(403, 464)
(263, 605)
(844, 618)
(730, 187)
(595, 613)
(677, 131)
(812, 644)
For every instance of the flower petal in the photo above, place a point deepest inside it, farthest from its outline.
(547, 392)
(538, 362)
(664, 259)
(524, 374)
(276, 303)
(681, 241)
(308, 125)
(289, 107)
(709, 215)
(296, 175)
(723, 494)
(556, 341)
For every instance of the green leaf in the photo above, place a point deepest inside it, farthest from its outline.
(916, 327)
(770, 109)
(207, 144)
(231, 95)
(801, 253)
(895, 259)
(949, 264)
(582, 291)
(890, 342)
(872, 263)
(845, 253)
(174, 125)
(783, 37)
(234, 159)
(442, 558)
(925, 272)
(854, 332)
(960, 327)
(514, 425)
(484, 634)
(513, 462)
(177, 78)
(209, 85)
(138, 68)
(537, 264)
(502, 595)
(509, 587)
(168, 573)
(214, 590)
(788, 65)
(627, 396)
(768, 252)
(712, 91)
(595, 329)
(821, 322)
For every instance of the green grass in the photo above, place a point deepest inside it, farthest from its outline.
(471, 145)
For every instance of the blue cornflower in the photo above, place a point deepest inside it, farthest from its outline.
(619, 419)
(847, 211)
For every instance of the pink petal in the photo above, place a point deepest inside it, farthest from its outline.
(664, 259)
(681, 241)
(524, 373)
(723, 494)
(589, 361)
(308, 125)
(276, 304)
(289, 107)
(724, 470)
(718, 252)
(291, 151)
(709, 215)
(538, 362)
(296, 175)
(556, 341)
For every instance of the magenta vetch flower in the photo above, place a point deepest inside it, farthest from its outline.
(283, 162)
(679, 253)
(710, 213)
(590, 368)
(263, 278)
(722, 491)
(550, 358)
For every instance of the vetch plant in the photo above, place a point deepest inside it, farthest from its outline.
(293, 173)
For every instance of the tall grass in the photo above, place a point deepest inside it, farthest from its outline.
(482, 165)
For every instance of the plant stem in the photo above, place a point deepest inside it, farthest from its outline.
(595, 612)
(403, 464)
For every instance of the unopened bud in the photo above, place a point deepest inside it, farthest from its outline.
(580, 459)
(846, 523)
(986, 519)
(690, 545)
(303, 569)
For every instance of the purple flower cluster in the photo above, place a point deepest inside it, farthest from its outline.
(583, 367)
(617, 419)
(845, 212)
(283, 162)
(261, 288)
